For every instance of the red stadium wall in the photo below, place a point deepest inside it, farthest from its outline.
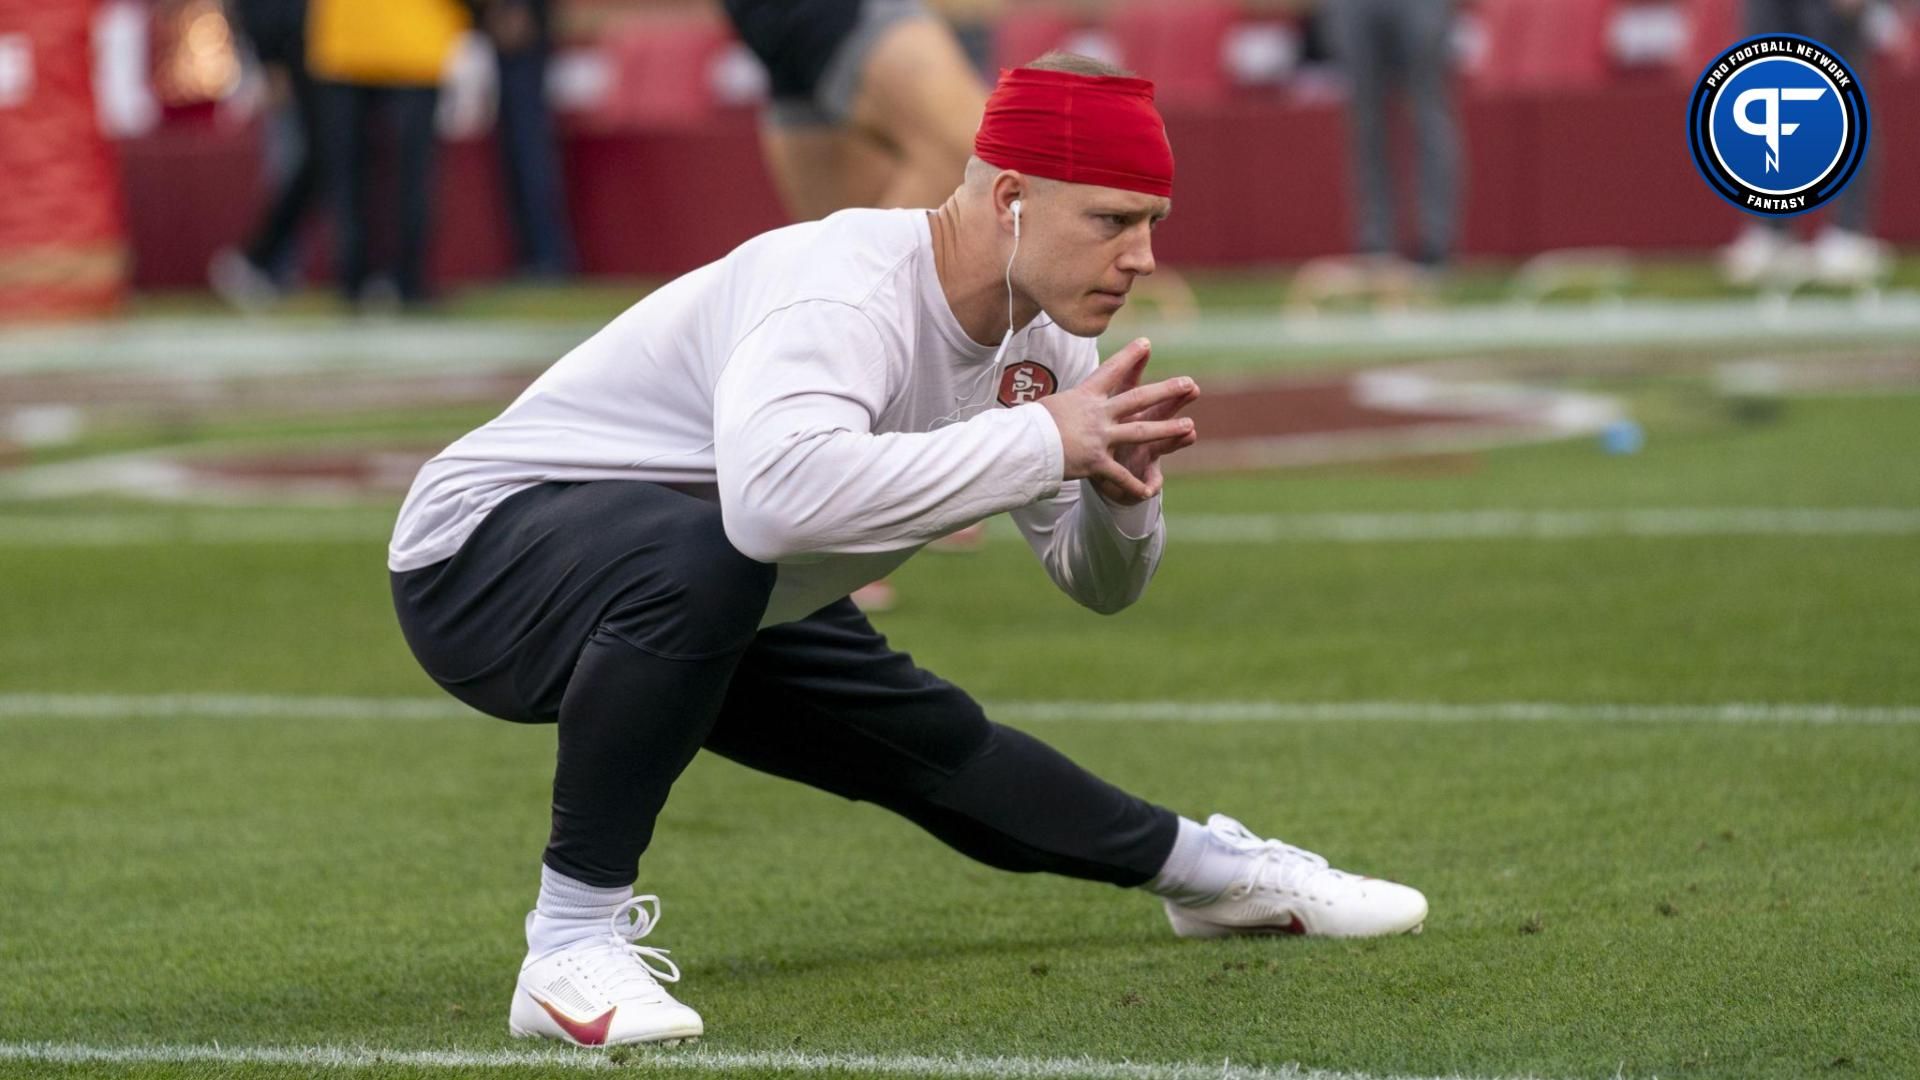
(1259, 181)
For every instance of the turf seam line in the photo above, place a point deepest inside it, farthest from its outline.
(701, 1060)
(321, 707)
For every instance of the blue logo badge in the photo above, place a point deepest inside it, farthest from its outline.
(1778, 124)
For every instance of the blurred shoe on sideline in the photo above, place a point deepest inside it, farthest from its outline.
(1847, 259)
(1399, 283)
(878, 596)
(971, 538)
(379, 298)
(241, 284)
(1757, 255)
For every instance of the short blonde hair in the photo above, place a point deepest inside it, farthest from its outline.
(1076, 64)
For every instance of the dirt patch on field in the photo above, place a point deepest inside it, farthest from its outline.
(1377, 415)
(352, 471)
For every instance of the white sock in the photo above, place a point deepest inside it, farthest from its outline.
(1197, 869)
(569, 910)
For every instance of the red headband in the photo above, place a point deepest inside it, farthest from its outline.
(1083, 129)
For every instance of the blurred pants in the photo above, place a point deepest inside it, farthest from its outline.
(1405, 45)
(349, 113)
(531, 159)
(271, 247)
(1843, 33)
(277, 31)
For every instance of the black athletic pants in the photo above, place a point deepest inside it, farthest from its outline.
(619, 610)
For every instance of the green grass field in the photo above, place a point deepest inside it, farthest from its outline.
(1673, 891)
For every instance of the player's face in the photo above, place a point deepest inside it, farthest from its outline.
(1088, 244)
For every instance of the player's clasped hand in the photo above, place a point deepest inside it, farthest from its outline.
(1114, 431)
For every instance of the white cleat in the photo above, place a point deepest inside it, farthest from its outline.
(1286, 890)
(601, 990)
(1758, 256)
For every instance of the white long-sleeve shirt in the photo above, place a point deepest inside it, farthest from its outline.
(817, 383)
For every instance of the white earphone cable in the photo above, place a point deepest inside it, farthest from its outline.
(1008, 337)
(1009, 274)
(993, 369)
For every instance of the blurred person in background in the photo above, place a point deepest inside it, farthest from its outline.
(1400, 48)
(260, 271)
(382, 59)
(1843, 253)
(875, 104)
(522, 36)
(973, 23)
(874, 101)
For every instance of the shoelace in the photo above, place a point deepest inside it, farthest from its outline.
(629, 963)
(1277, 864)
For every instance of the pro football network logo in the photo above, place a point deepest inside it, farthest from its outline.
(1778, 124)
(1026, 381)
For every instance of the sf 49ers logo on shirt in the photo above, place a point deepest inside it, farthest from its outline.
(1026, 381)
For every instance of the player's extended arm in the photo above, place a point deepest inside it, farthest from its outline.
(1101, 555)
(802, 474)
(1098, 544)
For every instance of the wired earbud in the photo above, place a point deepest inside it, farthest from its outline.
(1016, 218)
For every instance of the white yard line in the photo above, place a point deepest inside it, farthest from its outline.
(222, 346)
(643, 1060)
(1541, 524)
(353, 525)
(344, 525)
(229, 707)
(302, 707)
(1434, 712)
(192, 347)
(1635, 323)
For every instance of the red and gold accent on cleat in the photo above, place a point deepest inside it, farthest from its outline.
(590, 1033)
(1294, 926)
